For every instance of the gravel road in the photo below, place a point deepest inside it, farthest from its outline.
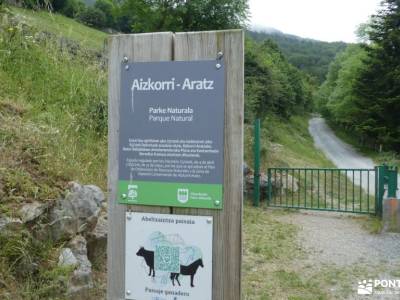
(337, 238)
(341, 154)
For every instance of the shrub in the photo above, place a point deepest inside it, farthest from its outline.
(72, 8)
(107, 8)
(92, 16)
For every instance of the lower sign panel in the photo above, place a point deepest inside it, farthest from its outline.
(168, 257)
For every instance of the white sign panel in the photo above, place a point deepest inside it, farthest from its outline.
(168, 257)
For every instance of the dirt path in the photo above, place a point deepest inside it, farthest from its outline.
(335, 238)
(339, 241)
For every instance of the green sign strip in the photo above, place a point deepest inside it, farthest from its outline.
(194, 195)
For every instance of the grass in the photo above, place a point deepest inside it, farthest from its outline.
(322, 189)
(285, 143)
(54, 108)
(53, 125)
(28, 268)
(63, 27)
(271, 253)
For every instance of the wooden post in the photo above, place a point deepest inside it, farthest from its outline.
(227, 231)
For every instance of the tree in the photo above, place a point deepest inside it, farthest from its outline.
(92, 16)
(181, 15)
(107, 8)
(378, 86)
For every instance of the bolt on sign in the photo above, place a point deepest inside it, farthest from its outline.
(172, 133)
(164, 260)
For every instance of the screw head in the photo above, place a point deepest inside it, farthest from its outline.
(218, 66)
(217, 202)
(125, 59)
(127, 67)
(123, 196)
(129, 217)
(220, 54)
(128, 292)
(209, 220)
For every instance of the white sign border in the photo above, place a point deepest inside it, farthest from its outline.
(132, 234)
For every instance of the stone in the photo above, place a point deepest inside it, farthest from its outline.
(246, 169)
(9, 223)
(97, 239)
(67, 258)
(289, 183)
(31, 211)
(285, 182)
(81, 280)
(77, 212)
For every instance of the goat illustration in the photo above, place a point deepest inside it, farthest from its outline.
(187, 270)
(148, 257)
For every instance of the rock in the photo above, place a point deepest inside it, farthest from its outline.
(67, 258)
(291, 184)
(97, 239)
(77, 212)
(246, 169)
(9, 223)
(81, 280)
(285, 182)
(32, 211)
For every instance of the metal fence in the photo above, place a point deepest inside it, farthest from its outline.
(342, 190)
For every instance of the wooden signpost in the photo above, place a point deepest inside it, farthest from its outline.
(198, 194)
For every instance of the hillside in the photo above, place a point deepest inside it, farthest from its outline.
(53, 125)
(311, 56)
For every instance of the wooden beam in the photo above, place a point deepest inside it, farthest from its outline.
(137, 48)
(227, 233)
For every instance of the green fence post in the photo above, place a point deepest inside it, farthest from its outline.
(256, 194)
(380, 174)
(392, 182)
(269, 197)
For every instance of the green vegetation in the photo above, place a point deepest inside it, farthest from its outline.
(57, 95)
(282, 141)
(312, 57)
(62, 27)
(389, 158)
(150, 15)
(32, 261)
(362, 93)
(53, 126)
(270, 247)
(272, 85)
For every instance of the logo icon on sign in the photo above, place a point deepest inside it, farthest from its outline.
(132, 192)
(183, 195)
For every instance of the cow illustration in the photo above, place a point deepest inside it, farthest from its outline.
(148, 257)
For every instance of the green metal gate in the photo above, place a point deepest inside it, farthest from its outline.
(329, 189)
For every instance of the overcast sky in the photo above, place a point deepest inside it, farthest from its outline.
(326, 20)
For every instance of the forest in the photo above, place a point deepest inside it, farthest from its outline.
(310, 56)
(361, 93)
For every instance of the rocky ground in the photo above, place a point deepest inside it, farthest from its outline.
(78, 223)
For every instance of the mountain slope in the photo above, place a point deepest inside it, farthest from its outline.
(311, 56)
(62, 26)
